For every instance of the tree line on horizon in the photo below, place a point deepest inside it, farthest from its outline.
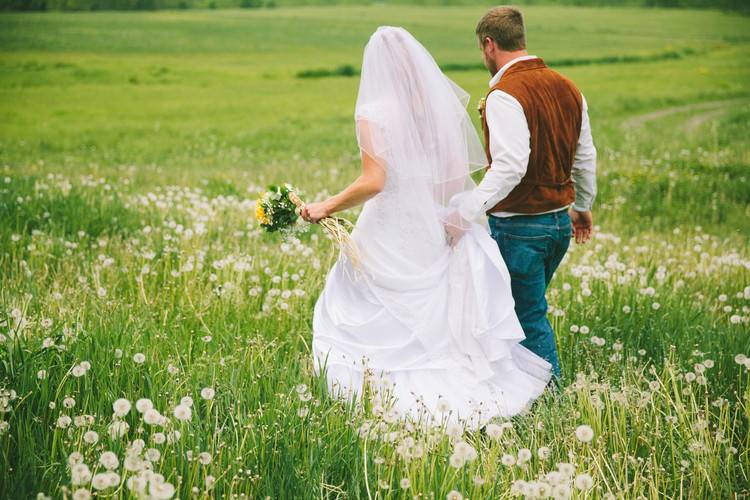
(94, 5)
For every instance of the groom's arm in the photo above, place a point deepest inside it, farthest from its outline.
(510, 150)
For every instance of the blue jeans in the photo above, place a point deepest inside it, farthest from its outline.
(532, 247)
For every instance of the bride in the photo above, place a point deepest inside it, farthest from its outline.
(430, 315)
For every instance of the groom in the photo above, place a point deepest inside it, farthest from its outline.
(540, 181)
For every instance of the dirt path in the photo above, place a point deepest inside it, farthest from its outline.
(714, 110)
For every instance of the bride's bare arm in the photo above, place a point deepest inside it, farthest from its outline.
(369, 183)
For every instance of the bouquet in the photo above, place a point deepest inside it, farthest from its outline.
(278, 209)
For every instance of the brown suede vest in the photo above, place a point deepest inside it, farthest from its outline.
(552, 105)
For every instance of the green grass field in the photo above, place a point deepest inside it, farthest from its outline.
(132, 148)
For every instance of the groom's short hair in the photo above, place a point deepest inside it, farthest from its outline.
(505, 26)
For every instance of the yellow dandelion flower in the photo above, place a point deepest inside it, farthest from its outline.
(260, 213)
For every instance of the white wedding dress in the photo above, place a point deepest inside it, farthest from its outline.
(436, 322)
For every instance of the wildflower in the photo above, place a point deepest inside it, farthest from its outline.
(109, 460)
(207, 393)
(143, 405)
(152, 417)
(584, 433)
(121, 407)
(118, 429)
(91, 437)
(80, 474)
(454, 495)
(64, 421)
(494, 431)
(183, 412)
(584, 481)
(524, 455)
(139, 358)
(204, 458)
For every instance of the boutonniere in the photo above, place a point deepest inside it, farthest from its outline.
(481, 105)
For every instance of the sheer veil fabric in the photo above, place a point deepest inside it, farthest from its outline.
(431, 326)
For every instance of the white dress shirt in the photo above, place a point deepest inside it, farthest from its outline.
(510, 150)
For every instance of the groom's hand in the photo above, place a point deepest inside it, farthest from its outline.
(583, 225)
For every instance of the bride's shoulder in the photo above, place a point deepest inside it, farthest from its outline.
(376, 109)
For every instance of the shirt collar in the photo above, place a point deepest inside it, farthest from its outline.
(496, 77)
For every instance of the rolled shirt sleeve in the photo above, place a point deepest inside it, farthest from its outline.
(510, 149)
(584, 166)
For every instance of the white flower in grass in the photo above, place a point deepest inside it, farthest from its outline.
(173, 436)
(81, 494)
(153, 455)
(86, 365)
(69, 403)
(566, 469)
(64, 421)
(101, 481)
(139, 358)
(152, 417)
(210, 481)
(74, 458)
(456, 461)
(121, 407)
(78, 371)
(494, 431)
(584, 433)
(584, 481)
(137, 485)
(187, 401)
(561, 492)
(143, 405)
(543, 452)
(404, 483)
(133, 462)
(207, 393)
(508, 460)
(91, 437)
(524, 455)
(80, 474)
(172, 369)
(303, 412)
(118, 353)
(109, 460)
(454, 430)
(204, 458)
(183, 413)
(118, 429)
(41, 374)
(454, 495)
(555, 477)
(160, 438)
(161, 490)
(443, 405)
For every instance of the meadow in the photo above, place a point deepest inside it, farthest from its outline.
(155, 343)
